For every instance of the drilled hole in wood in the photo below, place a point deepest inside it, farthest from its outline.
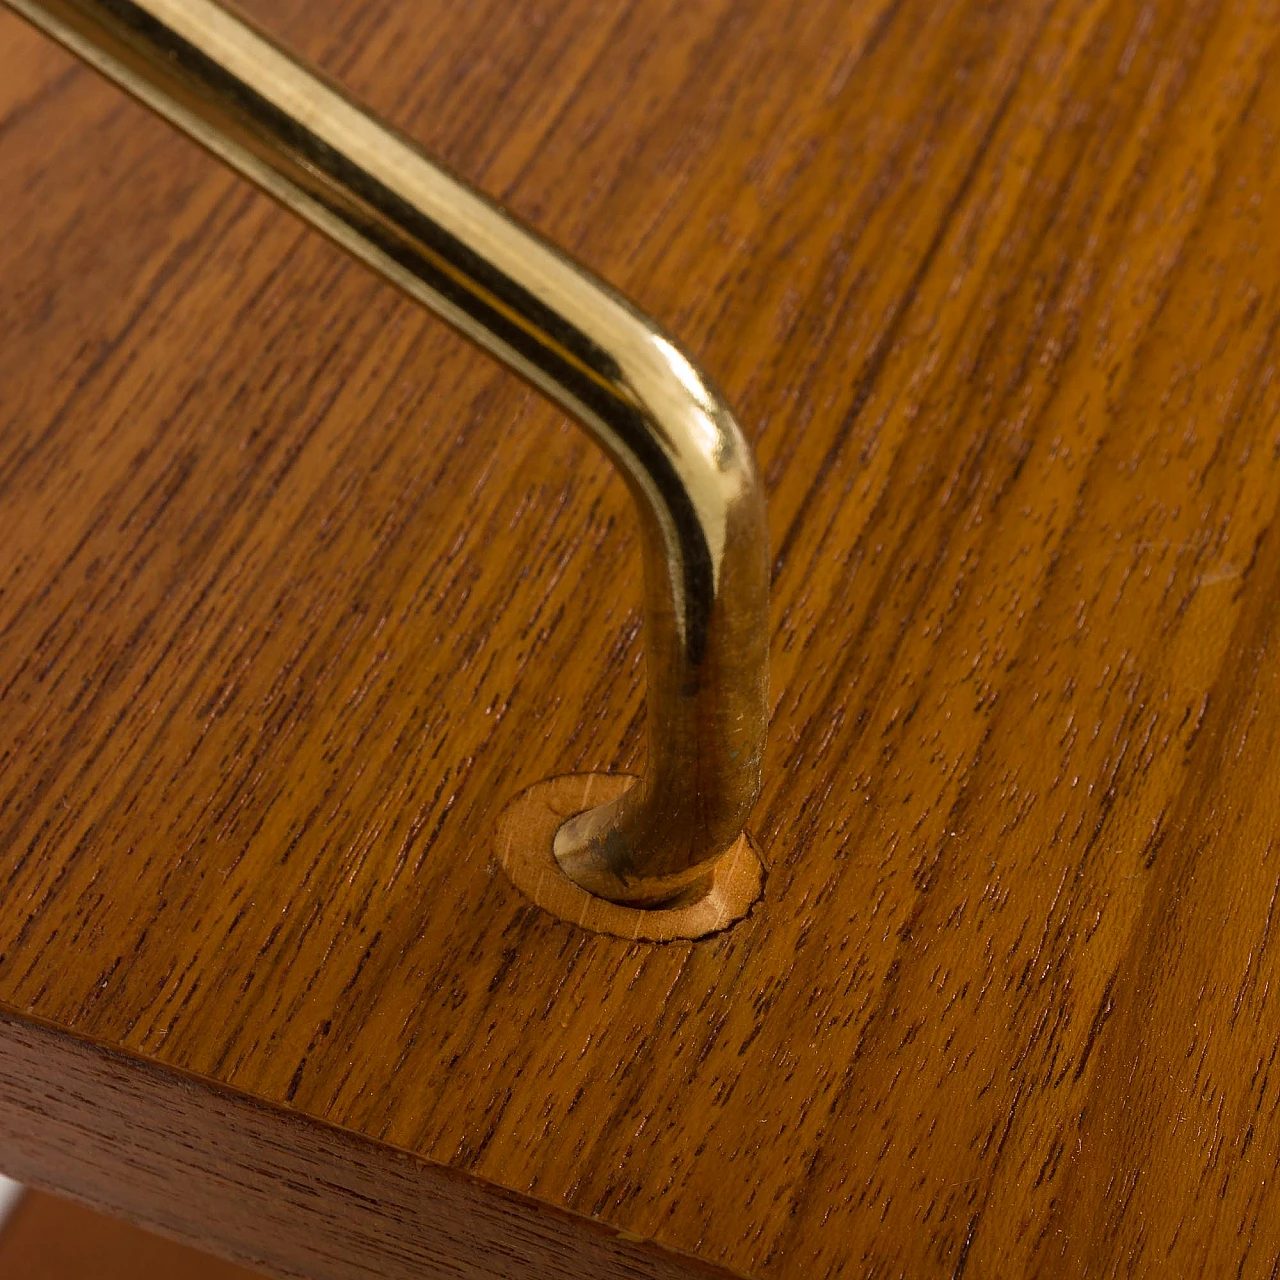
(525, 836)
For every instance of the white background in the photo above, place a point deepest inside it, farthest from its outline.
(9, 1192)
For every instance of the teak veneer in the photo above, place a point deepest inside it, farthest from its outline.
(296, 592)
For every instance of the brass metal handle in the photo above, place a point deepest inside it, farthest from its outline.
(691, 473)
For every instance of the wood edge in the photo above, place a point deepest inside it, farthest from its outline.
(277, 1190)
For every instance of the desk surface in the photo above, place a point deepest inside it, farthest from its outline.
(295, 592)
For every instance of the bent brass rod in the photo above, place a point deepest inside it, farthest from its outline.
(691, 473)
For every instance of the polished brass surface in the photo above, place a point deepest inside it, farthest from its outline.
(525, 838)
(691, 473)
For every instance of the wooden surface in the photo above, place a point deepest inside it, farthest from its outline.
(277, 1191)
(297, 592)
(52, 1239)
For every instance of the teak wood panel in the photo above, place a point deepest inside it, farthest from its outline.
(280, 1191)
(296, 591)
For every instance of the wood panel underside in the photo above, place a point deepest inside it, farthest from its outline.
(296, 592)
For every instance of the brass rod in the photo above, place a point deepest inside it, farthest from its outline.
(691, 473)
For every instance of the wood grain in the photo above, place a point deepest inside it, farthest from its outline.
(277, 1191)
(297, 592)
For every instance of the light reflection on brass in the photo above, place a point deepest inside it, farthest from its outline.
(690, 471)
